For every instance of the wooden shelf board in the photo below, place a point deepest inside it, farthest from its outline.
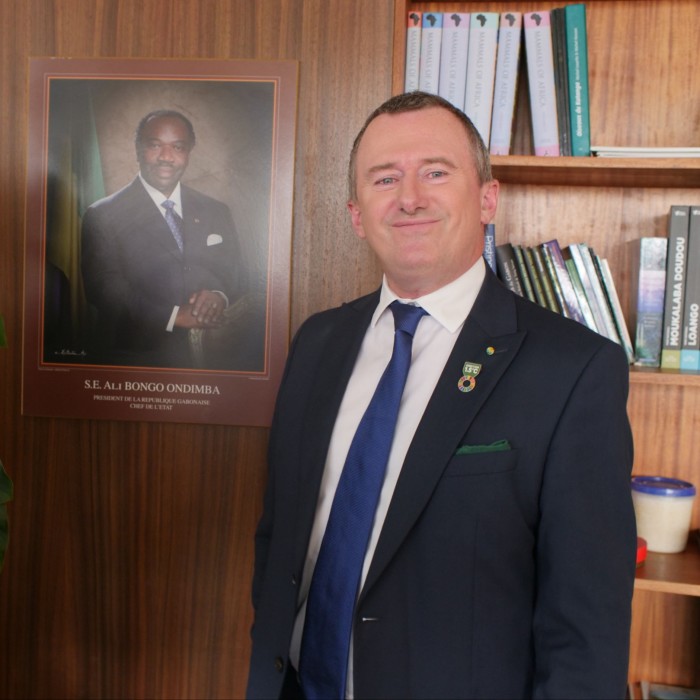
(671, 573)
(597, 172)
(648, 375)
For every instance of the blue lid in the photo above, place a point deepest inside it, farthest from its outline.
(662, 486)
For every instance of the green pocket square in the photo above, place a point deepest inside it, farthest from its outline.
(497, 446)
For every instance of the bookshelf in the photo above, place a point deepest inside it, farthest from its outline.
(643, 92)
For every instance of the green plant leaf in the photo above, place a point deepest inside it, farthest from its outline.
(6, 494)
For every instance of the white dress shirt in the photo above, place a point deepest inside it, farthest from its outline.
(432, 344)
(158, 198)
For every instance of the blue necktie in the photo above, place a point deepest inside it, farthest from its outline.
(334, 586)
(174, 222)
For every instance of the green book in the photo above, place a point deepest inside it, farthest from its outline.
(577, 60)
(528, 290)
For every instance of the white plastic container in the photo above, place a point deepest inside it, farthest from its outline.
(663, 508)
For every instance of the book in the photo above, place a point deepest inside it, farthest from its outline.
(663, 691)
(507, 268)
(561, 79)
(577, 57)
(642, 152)
(676, 259)
(591, 261)
(690, 340)
(481, 70)
(545, 280)
(554, 282)
(613, 299)
(490, 245)
(540, 74)
(649, 279)
(581, 257)
(552, 252)
(453, 57)
(534, 277)
(525, 281)
(506, 82)
(431, 38)
(413, 46)
(580, 291)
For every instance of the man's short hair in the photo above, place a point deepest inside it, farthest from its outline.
(159, 114)
(413, 101)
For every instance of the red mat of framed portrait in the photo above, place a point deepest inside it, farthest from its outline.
(83, 116)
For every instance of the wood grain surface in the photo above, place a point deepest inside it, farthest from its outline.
(131, 552)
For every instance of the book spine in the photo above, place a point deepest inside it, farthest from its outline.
(431, 38)
(589, 260)
(453, 57)
(580, 292)
(690, 347)
(676, 263)
(553, 252)
(587, 275)
(524, 274)
(507, 268)
(481, 70)
(540, 74)
(506, 82)
(613, 299)
(490, 245)
(413, 45)
(554, 281)
(561, 79)
(534, 277)
(577, 58)
(545, 280)
(651, 287)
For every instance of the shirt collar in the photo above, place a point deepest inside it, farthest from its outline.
(449, 306)
(158, 197)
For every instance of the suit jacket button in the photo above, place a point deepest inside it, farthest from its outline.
(279, 664)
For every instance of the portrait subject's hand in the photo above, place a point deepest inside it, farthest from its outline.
(205, 310)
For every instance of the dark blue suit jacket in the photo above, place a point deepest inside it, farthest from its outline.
(134, 273)
(503, 574)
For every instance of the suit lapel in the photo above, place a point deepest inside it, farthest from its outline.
(489, 338)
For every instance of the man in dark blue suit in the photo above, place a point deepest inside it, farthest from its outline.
(159, 259)
(501, 557)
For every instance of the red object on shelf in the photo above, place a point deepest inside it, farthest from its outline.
(641, 550)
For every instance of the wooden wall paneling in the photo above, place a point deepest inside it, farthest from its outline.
(658, 654)
(128, 573)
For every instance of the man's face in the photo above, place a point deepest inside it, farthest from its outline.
(163, 153)
(419, 203)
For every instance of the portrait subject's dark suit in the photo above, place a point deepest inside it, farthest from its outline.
(134, 273)
(503, 569)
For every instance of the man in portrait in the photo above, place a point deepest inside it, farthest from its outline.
(162, 264)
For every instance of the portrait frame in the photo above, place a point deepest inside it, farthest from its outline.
(83, 116)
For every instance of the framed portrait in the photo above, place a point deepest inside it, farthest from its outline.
(158, 238)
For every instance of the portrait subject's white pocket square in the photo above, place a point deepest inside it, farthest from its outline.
(214, 239)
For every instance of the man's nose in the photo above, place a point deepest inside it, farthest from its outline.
(411, 195)
(166, 154)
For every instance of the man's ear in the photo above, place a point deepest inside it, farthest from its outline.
(489, 200)
(356, 218)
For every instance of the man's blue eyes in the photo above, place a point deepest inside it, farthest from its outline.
(432, 175)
